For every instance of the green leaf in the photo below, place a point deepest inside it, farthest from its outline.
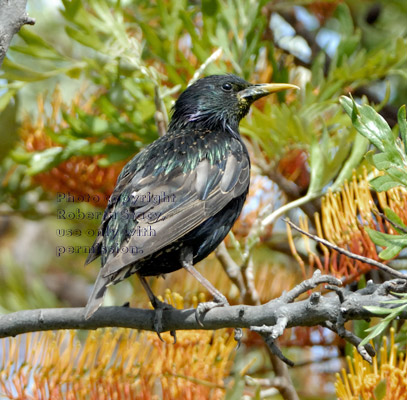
(17, 72)
(384, 323)
(398, 174)
(346, 48)
(402, 121)
(378, 310)
(383, 183)
(344, 16)
(393, 243)
(8, 130)
(45, 160)
(317, 168)
(375, 331)
(385, 239)
(369, 123)
(393, 217)
(358, 151)
(347, 104)
(71, 8)
(36, 46)
(317, 69)
(237, 390)
(32, 39)
(402, 300)
(392, 160)
(21, 156)
(85, 37)
(391, 252)
(381, 161)
(118, 153)
(5, 98)
(380, 390)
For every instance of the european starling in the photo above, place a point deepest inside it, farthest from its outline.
(177, 199)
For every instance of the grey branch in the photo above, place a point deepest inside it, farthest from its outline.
(12, 17)
(330, 310)
(243, 278)
(232, 270)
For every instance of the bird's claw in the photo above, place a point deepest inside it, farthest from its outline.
(203, 308)
(219, 301)
(238, 337)
(159, 307)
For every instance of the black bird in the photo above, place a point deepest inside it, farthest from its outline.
(177, 199)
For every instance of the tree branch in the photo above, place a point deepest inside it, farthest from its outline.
(231, 269)
(12, 17)
(276, 315)
(243, 278)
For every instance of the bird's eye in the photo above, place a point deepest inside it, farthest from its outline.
(227, 87)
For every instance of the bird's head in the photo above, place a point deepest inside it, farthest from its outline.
(219, 101)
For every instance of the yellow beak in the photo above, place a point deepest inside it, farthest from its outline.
(256, 91)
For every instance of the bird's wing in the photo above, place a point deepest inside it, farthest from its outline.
(195, 194)
(122, 180)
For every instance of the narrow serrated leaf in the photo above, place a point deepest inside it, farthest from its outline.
(391, 252)
(377, 330)
(378, 310)
(383, 183)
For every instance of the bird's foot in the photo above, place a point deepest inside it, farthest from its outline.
(218, 301)
(159, 307)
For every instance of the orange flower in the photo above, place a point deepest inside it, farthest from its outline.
(363, 379)
(116, 364)
(344, 216)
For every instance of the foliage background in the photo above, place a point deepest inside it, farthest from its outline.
(85, 88)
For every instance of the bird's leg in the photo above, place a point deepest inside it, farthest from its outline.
(159, 307)
(219, 299)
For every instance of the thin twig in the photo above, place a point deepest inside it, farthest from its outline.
(160, 115)
(213, 57)
(251, 294)
(348, 253)
(270, 219)
(231, 268)
(394, 224)
(313, 282)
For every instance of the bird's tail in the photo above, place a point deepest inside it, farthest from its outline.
(96, 297)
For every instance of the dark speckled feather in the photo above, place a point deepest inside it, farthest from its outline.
(184, 191)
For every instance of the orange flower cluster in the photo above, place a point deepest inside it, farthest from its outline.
(363, 380)
(344, 216)
(80, 176)
(116, 364)
(294, 167)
